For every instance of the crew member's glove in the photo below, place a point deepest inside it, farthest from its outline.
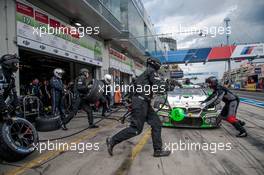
(169, 85)
(89, 84)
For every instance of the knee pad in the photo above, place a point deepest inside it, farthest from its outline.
(231, 119)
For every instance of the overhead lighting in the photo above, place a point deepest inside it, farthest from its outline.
(76, 23)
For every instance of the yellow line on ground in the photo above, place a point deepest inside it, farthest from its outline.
(139, 146)
(51, 154)
(126, 164)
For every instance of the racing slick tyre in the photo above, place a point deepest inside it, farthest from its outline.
(48, 123)
(95, 91)
(18, 139)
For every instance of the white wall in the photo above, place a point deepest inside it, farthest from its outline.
(8, 30)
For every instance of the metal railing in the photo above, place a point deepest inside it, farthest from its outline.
(31, 106)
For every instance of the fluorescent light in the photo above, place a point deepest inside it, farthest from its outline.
(78, 24)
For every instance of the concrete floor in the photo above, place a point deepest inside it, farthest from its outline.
(134, 156)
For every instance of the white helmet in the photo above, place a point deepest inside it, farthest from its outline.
(108, 78)
(58, 73)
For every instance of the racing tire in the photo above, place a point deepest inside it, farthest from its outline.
(95, 92)
(48, 123)
(18, 139)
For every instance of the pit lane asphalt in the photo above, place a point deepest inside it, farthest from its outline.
(135, 155)
(250, 94)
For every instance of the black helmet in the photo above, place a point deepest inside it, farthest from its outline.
(187, 81)
(9, 62)
(212, 81)
(154, 62)
(83, 71)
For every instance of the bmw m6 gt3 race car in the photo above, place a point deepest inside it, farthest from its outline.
(182, 108)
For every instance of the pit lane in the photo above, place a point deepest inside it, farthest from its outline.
(259, 96)
(135, 155)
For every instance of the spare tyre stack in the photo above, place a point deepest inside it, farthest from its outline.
(48, 123)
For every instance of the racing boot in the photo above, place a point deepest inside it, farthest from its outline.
(242, 123)
(91, 126)
(161, 153)
(110, 146)
(242, 134)
(64, 127)
(241, 129)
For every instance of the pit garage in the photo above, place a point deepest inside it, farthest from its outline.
(34, 64)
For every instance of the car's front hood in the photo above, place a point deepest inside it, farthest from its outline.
(185, 101)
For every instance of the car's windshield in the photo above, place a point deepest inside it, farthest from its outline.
(187, 91)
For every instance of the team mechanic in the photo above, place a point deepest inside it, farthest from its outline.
(9, 64)
(142, 111)
(105, 99)
(57, 93)
(81, 88)
(231, 101)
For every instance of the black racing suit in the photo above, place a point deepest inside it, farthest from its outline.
(229, 111)
(142, 111)
(81, 89)
(57, 91)
(7, 89)
(36, 91)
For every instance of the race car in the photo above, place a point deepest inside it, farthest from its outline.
(182, 108)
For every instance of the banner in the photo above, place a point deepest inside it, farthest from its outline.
(248, 50)
(251, 87)
(120, 61)
(221, 53)
(31, 20)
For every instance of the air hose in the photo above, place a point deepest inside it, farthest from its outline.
(70, 135)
